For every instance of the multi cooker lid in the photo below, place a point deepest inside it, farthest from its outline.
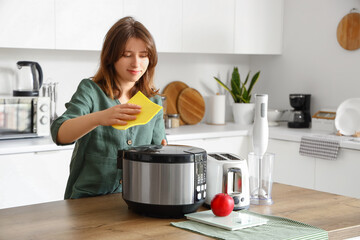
(164, 154)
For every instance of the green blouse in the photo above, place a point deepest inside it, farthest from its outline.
(93, 167)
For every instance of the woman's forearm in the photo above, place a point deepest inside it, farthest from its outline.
(73, 129)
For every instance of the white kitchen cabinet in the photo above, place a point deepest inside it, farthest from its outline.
(32, 178)
(83, 24)
(202, 26)
(289, 166)
(27, 24)
(238, 145)
(208, 26)
(340, 176)
(162, 18)
(258, 26)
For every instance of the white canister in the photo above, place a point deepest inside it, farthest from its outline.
(216, 109)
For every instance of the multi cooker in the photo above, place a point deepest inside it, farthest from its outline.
(163, 181)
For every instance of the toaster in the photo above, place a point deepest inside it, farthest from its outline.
(228, 173)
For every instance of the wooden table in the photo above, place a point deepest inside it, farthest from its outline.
(107, 217)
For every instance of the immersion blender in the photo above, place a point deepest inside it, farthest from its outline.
(260, 136)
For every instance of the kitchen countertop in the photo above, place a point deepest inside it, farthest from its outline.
(26, 145)
(108, 217)
(203, 130)
(187, 132)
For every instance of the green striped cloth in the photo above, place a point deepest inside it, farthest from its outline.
(277, 228)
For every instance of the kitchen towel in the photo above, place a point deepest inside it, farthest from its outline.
(277, 228)
(319, 147)
(148, 111)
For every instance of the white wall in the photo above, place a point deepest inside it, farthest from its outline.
(312, 60)
(198, 71)
(69, 67)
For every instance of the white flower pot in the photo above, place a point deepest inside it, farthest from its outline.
(243, 113)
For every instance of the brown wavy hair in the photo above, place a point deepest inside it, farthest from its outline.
(113, 49)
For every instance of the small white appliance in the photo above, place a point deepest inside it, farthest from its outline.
(228, 173)
(261, 127)
(260, 162)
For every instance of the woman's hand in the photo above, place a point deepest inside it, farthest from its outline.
(118, 114)
(75, 128)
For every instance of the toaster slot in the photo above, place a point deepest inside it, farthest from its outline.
(217, 157)
(235, 183)
(229, 156)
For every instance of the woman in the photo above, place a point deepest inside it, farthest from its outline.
(127, 65)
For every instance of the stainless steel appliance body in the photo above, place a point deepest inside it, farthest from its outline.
(30, 79)
(228, 173)
(22, 117)
(163, 181)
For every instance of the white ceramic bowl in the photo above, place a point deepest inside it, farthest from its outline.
(274, 115)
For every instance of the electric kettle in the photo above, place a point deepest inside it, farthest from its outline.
(30, 79)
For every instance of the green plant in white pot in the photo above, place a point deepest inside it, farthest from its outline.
(243, 110)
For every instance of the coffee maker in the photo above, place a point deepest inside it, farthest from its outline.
(300, 117)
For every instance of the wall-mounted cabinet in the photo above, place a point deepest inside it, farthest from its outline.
(208, 26)
(162, 18)
(258, 26)
(27, 24)
(178, 26)
(82, 24)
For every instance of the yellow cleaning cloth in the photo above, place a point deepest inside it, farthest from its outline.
(148, 111)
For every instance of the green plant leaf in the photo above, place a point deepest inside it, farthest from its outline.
(253, 81)
(225, 87)
(235, 81)
(247, 78)
(245, 95)
(245, 100)
(238, 90)
(222, 84)
(236, 85)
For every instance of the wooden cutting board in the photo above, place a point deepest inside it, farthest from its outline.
(172, 92)
(348, 31)
(191, 106)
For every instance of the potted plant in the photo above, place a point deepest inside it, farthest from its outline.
(243, 110)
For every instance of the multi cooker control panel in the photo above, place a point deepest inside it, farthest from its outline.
(200, 177)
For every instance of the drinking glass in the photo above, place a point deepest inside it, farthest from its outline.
(261, 178)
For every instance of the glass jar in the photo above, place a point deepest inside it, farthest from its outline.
(164, 105)
(172, 121)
